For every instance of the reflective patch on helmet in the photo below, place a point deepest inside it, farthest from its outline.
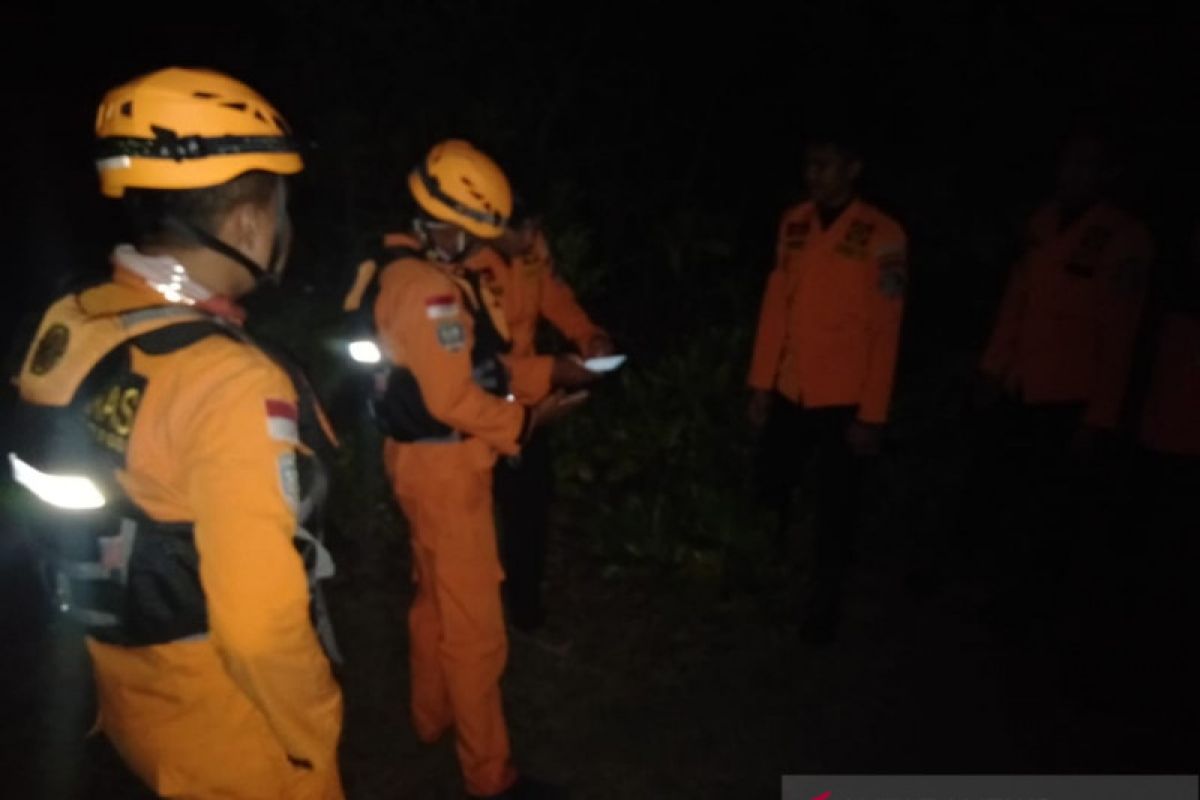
(116, 162)
(289, 479)
(50, 349)
(452, 336)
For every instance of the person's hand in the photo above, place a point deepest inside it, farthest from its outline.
(599, 346)
(759, 408)
(554, 406)
(569, 372)
(864, 438)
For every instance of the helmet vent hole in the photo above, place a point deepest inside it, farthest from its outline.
(235, 106)
(204, 95)
(127, 108)
(259, 116)
(283, 126)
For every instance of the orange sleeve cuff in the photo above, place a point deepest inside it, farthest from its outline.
(529, 377)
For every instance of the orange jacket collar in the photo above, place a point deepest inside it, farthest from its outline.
(168, 279)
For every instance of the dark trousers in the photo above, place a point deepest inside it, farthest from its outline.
(1155, 557)
(1028, 500)
(796, 440)
(523, 488)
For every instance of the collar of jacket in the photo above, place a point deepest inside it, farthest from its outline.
(170, 279)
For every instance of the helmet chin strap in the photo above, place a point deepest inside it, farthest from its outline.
(270, 274)
(424, 227)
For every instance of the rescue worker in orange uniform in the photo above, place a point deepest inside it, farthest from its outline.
(1054, 375)
(211, 678)
(825, 359)
(445, 407)
(519, 268)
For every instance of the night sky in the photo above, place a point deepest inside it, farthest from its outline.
(639, 117)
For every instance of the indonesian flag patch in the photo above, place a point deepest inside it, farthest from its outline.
(282, 417)
(442, 306)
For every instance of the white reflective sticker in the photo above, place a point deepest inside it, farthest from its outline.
(73, 492)
(289, 479)
(116, 162)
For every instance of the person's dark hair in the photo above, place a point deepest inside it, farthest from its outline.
(147, 209)
(847, 144)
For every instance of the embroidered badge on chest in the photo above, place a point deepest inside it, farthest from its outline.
(796, 234)
(858, 236)
(111, 413)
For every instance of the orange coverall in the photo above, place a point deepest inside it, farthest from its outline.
(459, 645)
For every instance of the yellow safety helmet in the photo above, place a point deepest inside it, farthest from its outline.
(188, 129)
(458, 184)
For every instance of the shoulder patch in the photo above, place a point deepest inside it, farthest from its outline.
(50, 349)
(289, 479)
(452, 336)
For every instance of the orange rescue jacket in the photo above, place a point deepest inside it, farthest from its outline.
(829, 328)
(425, 327)
(211, 442)
(1068, 322)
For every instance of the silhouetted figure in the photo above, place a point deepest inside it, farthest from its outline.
(1053, 380)
(824, 362)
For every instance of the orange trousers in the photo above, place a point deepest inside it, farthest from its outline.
(181, 725)
(458, 643)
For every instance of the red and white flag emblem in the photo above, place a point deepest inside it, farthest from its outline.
(442, 306)
(282, 418)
